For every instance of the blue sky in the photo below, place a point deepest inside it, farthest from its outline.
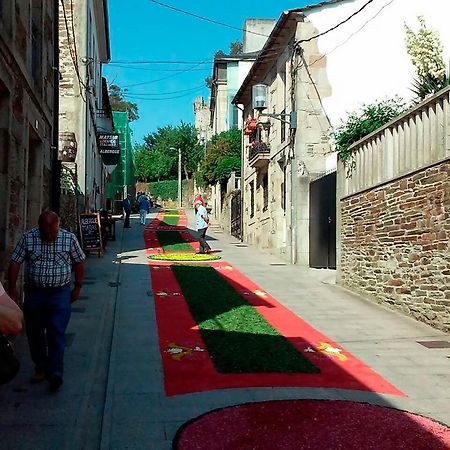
(142, 31)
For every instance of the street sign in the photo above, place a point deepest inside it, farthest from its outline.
(90, 232)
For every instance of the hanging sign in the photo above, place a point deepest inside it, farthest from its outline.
(109, 147)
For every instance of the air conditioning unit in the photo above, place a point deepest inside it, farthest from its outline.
(259, 94)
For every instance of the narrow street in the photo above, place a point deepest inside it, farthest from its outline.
(114, 395)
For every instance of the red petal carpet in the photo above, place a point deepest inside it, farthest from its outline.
(187, 363)
(312, 425)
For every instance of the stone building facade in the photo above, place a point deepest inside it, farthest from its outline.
(84, 49)
(320, 73)
(395, 244)
(394, 213)
(26, 117)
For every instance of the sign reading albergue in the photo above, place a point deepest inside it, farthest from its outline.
(108, 144)
(90, 231)
(109, 147)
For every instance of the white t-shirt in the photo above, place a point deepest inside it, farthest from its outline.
(2, 290)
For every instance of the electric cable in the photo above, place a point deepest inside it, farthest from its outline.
(207, 19)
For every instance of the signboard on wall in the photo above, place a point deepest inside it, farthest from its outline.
(109, 147)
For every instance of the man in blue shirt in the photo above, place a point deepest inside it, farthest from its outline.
(144, 208)
(202, 221)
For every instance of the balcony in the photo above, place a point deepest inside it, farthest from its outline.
(259, 154)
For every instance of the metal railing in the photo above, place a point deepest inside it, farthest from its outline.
(416, 139)
(259, 148)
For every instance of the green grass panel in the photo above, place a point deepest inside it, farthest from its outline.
(239, 339)
(173, 242)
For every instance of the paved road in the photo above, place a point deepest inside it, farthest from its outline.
(113, 397)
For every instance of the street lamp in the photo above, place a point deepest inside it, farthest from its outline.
(179, 174)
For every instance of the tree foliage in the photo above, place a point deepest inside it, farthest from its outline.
(157, 158)
(223, 156)
(427, 55)
(363, 122)
(119, 103)
(236, 48)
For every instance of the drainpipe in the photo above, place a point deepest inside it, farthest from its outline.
(294, 210)
(242, 173)
(56, 163)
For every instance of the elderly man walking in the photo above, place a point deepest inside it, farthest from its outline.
(49, 253)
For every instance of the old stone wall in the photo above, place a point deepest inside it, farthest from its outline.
(395, 244)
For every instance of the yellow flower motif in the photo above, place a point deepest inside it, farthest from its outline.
(183, 257)
(326, 349)
(260, 293)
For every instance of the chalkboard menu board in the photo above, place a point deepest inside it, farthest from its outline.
(90, 231)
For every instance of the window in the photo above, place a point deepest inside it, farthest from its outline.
(265, 186)
(252, 198)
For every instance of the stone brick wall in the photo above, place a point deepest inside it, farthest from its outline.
(395, 244)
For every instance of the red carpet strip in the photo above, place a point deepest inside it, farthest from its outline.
(187, 363)
(312, 425)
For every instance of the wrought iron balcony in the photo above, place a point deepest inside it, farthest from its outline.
(259, 154)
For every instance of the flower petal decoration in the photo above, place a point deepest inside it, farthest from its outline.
(184, 257)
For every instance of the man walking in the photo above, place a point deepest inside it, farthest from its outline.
(126, 203)
(144, 208)
(202, 221)
(50, 253)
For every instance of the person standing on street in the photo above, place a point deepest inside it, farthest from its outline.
(202, 221)
(49, 253)
(10, 314)
(126, 203)
(144, 208)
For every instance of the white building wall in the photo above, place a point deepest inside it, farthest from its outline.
(366, 57)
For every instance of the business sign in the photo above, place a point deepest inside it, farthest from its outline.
(108, 144)
(90, 231)
(109, 147)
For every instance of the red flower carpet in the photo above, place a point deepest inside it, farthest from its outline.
(312, 425)
(188, 366)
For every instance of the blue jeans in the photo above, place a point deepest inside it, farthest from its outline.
(47, 314)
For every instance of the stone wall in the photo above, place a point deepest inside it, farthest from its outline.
(395, 244)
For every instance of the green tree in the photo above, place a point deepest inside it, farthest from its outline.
(363, 122)
(223, 156)
(236, 48)
(119, 103)
(157, 158)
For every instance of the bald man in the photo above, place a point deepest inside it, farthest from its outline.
(50, 253)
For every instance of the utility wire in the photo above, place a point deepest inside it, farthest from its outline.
(164, 78)
(156, 62)
(147, 69)
(336, 26)
(354, 33)
(207, 19)
(161, 99)
(166, 93)
(72, 56)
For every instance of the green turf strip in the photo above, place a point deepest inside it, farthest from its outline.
(173, 242)
(170, 221)
(238, 338)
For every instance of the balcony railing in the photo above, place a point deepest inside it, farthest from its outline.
(258, 149)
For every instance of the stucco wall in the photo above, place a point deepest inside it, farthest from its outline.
(370, 50)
